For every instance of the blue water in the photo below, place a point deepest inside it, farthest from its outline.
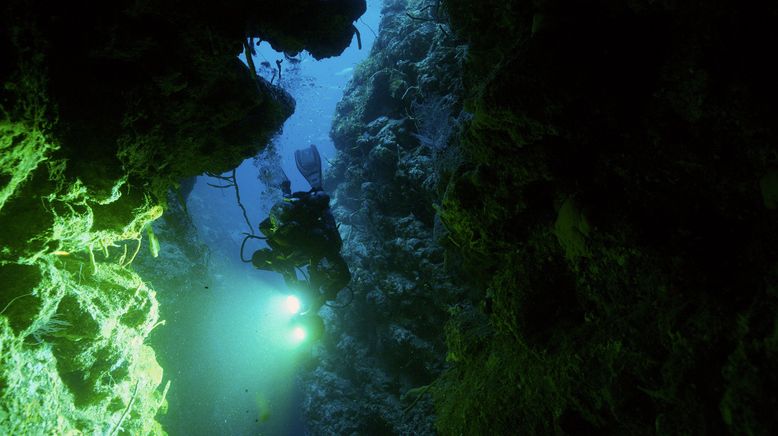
(226, 346)
(316, 87)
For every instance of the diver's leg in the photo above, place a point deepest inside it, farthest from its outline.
(285, 185)
(330, 274)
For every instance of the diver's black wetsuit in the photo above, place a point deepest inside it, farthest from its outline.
(300, 231)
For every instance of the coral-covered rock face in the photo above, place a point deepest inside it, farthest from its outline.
(383, 351)
(617, 206)
(103, 108)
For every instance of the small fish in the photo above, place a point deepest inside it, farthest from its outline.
(153, 241)
(61, 253)
(344, 71)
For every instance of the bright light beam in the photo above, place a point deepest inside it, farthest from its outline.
(298, 334)
(292, 304)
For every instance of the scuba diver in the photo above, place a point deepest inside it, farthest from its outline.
(301, 231)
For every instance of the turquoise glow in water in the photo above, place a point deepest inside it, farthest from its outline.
(228, 347)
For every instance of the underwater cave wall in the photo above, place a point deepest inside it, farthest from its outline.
(103, 108)
(393, 130)
(616, 203)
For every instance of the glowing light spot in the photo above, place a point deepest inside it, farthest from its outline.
(292, 304)
(298, 334)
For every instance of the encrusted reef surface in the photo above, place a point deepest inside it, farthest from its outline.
(383, 351)
(609, 198)
(103, 108)
(617, 207)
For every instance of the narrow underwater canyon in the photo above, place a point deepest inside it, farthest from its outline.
(559, 218)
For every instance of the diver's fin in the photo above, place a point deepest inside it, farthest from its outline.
(309, 164)
(284, 183)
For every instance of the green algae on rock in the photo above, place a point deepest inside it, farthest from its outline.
(104, 108)
(615, 207)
